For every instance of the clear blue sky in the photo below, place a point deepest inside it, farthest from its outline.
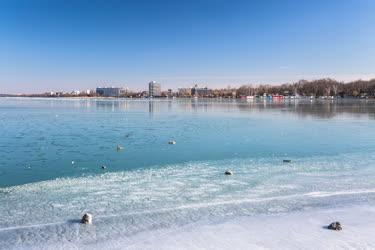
(66, 45)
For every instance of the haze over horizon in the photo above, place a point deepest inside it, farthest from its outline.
(66, 45)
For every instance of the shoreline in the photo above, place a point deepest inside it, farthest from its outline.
(293, 230)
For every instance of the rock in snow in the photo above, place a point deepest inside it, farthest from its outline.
(86, 218)
(335, 226)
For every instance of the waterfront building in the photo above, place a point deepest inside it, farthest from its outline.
(154, 89)
(201, 92)
(110, 91)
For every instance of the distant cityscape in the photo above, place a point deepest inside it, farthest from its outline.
(326, 88)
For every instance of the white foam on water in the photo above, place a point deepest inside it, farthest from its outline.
(130, 207)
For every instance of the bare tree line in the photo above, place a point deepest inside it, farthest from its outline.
(321, 87)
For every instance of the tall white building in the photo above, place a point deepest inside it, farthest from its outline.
(154, 89)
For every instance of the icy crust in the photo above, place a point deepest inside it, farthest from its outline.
(126, 205)
(294, 230)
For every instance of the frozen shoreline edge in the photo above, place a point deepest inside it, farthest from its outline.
(294, 230)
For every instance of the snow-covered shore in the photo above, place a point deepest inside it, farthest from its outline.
(298, 230)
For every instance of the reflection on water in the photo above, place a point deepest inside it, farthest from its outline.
(316, 108)
(301, 107)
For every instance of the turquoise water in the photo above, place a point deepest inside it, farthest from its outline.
(52, 150)
(41, 137)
